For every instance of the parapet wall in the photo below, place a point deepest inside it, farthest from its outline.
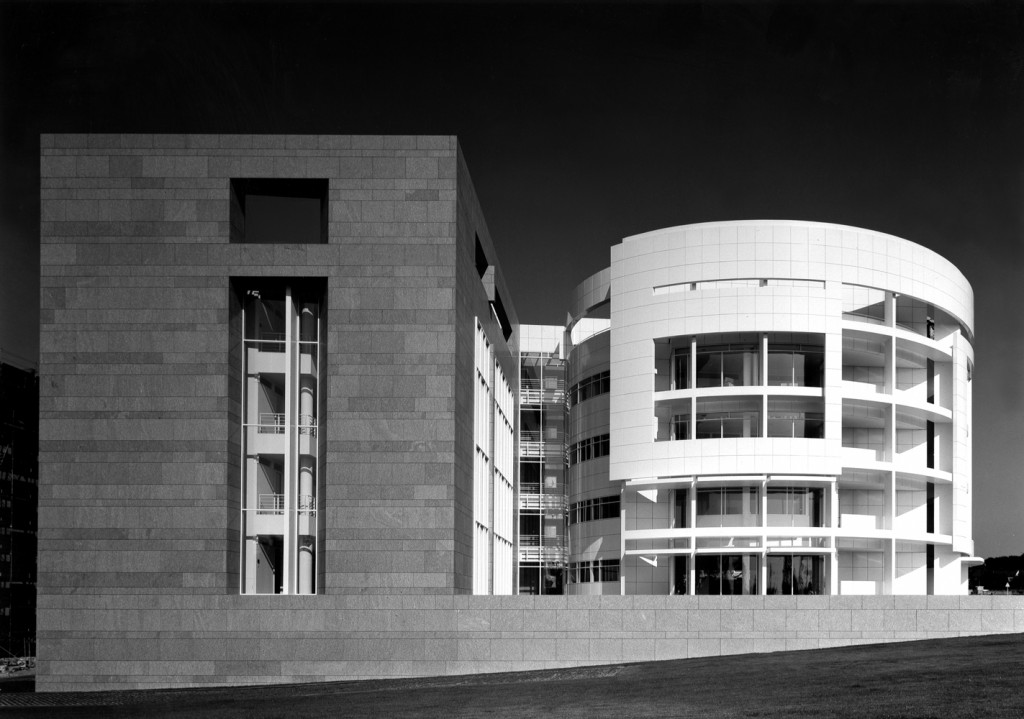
(146, 641)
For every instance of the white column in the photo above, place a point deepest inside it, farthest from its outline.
(306, 555)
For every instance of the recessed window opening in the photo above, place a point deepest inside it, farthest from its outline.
(498, 310)
(279, 324)
(279, 211)
(481, 259)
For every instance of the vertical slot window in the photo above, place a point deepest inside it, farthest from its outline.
(281, 439)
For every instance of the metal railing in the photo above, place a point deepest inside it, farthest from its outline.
(555, 554)
(542, 501)
(539, 449)
(274, 504)
(270, 504)
(271, 423)
(533, 391)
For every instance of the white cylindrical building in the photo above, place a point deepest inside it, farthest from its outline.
(770, 407)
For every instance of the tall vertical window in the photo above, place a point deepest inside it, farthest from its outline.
(281, 361)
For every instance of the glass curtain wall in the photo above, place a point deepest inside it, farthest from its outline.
(796, 360)
(280, 464)
(734, 361)
(796, 574)
(727, 573)
(728, 507)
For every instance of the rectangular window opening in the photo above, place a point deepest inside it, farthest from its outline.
(279, 211)
(279, 343)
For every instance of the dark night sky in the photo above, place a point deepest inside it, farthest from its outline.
(586, 124)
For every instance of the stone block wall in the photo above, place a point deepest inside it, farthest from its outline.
(95, 642)
(139, 449)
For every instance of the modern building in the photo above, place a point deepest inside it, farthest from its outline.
(288, 409)
(771, 408)
(19, 411)
(274, 365)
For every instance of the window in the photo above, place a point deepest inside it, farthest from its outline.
(728, 418)
(681, 508)
(727, 573)
(279, 326)
(795, 507)
(599, 570)
(273, 210)
(498, 310)
(590, 387)
(796, 574)
(728, 360)
(681, 574)
(529, 476)
(803, 417)
(728, 507)
(588, 449)
(680, 426)
(796, 359)
(592, 510)
(481, 259)
(681, 369)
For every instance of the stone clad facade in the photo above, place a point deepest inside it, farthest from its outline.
(141, 402)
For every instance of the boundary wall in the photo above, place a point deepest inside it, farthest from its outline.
(133, 642)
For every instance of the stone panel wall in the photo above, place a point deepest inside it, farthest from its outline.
(139, 449)
(96, 642)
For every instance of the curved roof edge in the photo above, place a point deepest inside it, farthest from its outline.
(948, 269)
